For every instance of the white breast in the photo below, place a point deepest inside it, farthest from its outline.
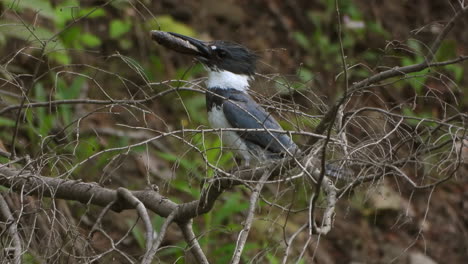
(228, 80)
(229, 138)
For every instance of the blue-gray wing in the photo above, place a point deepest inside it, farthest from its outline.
(244, 112)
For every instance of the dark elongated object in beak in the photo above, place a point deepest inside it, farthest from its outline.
(181, 43)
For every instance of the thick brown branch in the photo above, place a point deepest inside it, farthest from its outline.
(192, 241)
(211, 193)
(82, 192)
(92, 193)
(141, 209)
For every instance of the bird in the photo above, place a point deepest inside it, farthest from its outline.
(231, 67)
(258, 137)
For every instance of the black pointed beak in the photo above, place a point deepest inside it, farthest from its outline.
(181, 43)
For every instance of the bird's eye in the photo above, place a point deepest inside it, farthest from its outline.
(221, 53)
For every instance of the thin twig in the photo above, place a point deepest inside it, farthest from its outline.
(25, 94)
(96, 101)
(97, 223)
(12, 229)
(244, 233)
(396, 71)
(149, 255)
(123, 193)
(291, 240)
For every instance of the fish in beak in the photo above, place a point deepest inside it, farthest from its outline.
(181, 43)
(216, 56)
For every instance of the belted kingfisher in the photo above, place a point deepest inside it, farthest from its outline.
(230, 67)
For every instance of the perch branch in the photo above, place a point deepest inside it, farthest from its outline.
(192, 241)
(244, 233)
(141, 209)
(153, 249)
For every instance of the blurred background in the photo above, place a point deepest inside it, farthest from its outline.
(62, 50)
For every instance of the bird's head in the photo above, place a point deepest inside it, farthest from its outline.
(216, 55)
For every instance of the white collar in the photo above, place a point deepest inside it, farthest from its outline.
(228, 80)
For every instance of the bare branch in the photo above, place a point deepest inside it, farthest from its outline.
(397, 71)
(291, 240)
(148, 258)
(12, 228)
(141, 209)
(328, 216)
(194, 246)
(95, 101)
(244, 233)
(81, 192)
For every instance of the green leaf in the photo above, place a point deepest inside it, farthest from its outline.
(416, 46)
(351, 10)
(409, 112)
(457, 71)
(36, 36)
(92, 12)
(377, 28)
(5, 122)
(447, 50)
(3, 40)
(31, 131)
(60, 57)
(156, 64)
(223, 251)
(65, 11)
(70, 36)
(418, 80)
(42, 7)
(45, 120)
(301, 40)
(20, 31)
(90, 40)
(29, 258)
(75, 88)
(196, 105)
(118, 28)
(235, 204)
(187, 165)
(272, 259)
(305, 75)
(125, 44)
(65, 91)
(87, 147)
(405, 61)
